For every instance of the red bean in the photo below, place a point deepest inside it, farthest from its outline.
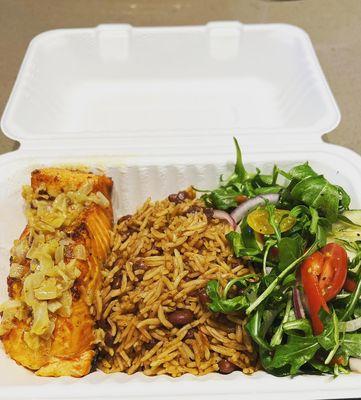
(193, 209)
(172, 197)
(103, 323)
(181, 196)
(109, 340)
(116, 282)
(226, 367)
(124, 218)
(203, 297)
(180, 317)
(102, 353)
(133, 229)
(139, 264)
(209, 212)
(178, 197)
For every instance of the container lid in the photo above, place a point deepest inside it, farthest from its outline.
(117, 82)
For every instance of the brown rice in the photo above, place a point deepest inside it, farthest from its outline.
(162, 258)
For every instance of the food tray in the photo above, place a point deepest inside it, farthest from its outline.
(157, 109)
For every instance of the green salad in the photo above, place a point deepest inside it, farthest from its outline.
(303, 305)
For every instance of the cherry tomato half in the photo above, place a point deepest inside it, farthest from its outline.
(258, 220)
(323, 275)
(311, 268)
(334, 270)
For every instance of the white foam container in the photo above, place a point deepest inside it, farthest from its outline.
(161, 105)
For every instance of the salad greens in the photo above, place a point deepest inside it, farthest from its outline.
(284, 329)
(241, 183)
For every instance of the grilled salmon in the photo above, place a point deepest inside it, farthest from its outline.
(55, 272)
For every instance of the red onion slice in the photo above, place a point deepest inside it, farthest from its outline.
(242, 210)
(297, 302)
(219, 214)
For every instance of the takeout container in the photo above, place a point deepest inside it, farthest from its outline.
(159, 107)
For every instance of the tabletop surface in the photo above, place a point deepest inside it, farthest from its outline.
(333, 25)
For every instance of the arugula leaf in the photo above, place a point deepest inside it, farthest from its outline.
(300, 351)
(272, 220)
(301, 172)
(236, 241)
(248, 236)
(302, 325)
(300, 210)
(289, 248)
(295, 353)
(266, 190)
(353, 300)
(241, 281)
(265, 184)
(351, 345)
(239, 169)
(336, 338)
(277, 337)
(223, 198)
(266, 179)
(355, 264)
(317, 192)
(345, 199)
(254, 329)
(240, 182)
(269, 243)
(295, 175)
(325, 369)
(268, 317)
(314, 220)
(220, 304)
(327, 338)
(289, 280)
(323, 228)
(279, 278)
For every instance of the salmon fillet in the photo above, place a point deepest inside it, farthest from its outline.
(70, 348)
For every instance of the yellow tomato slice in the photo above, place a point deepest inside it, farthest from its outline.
(258, 220)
